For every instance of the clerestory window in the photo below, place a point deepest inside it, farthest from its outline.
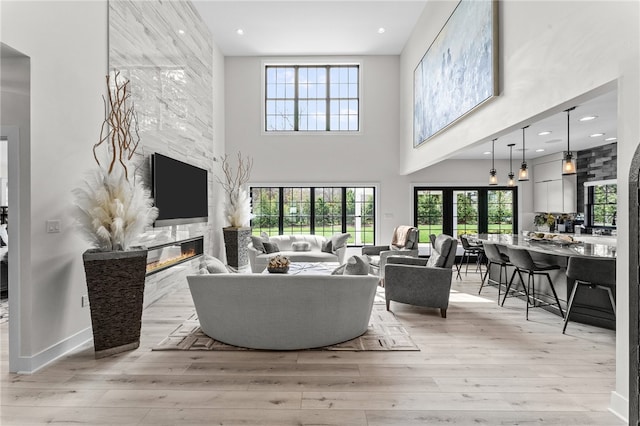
(318, 98)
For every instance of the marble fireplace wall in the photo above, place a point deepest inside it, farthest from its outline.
(168, 54)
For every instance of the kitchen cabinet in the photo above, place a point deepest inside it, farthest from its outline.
(552, 191)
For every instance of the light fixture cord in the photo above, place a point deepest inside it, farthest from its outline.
(568, 126)
(523, 146)
(493, 149)
(510, 159)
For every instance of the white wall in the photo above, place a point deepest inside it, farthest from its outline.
(550, 54)
(66, 42)
(369, 157)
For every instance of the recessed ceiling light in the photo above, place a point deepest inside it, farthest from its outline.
(553, 141)
(544, 133)
(180, 32)
(588, 117)
(240, 31)
(540, 150)
(610, 139)
(487, 152)
(381, 30)
(596, 135)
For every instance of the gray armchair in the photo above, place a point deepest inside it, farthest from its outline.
(422, 282)
(403, 242)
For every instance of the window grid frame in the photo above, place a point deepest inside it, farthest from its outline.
(327, 98)
(449, 212)
(607, 205)
(343, 227)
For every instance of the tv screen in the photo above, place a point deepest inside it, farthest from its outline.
(179, 191)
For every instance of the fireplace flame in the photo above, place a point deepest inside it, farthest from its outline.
(158, 264)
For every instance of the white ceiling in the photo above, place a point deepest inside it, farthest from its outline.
(350, 27)
(308, 27)
(603, 106)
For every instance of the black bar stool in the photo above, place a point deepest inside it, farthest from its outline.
(522, 260)
(496, 257)
(470, 249)
(594, 272)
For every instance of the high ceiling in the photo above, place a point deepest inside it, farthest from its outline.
(307, 27)
(351, 27)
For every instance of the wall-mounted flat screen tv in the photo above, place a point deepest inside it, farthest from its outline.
(179, 191)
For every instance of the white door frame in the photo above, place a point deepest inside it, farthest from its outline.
(12, 135)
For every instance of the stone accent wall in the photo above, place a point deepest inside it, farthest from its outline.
(166, 51)
(599, 163)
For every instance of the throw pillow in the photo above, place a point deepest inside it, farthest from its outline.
(203, 271)
(339, 240)
(339, 270)
(264, 236)
(301, 246)
(436, 260)
(270, 247)
(213, 265)
(326, 246)
(357, 265)
(258, 243)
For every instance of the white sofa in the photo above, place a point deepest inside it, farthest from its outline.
(283, 311)
(258, 260)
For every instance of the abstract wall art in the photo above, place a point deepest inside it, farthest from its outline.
(459, 71)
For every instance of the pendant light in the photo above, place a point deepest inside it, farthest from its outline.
(493, 177)
(511, 182)
(568, 163)
(523, 174)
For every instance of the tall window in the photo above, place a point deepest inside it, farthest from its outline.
(500, 211)
(465, 212)
(315, 210)
(602, 204)
(458, 211)
(429, 213)
(312, 98)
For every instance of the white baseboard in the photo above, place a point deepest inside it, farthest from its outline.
(619, 406)
(29, 365)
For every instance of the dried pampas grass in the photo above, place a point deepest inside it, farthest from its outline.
(113, 211)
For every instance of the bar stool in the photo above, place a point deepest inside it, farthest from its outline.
(470, 249)
(594, 272)
(522, 260)
(496, 257)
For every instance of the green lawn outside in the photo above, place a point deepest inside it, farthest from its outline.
(367, 235)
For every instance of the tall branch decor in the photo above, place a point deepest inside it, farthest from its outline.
(113, 206)
(238, 201)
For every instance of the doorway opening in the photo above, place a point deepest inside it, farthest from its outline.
(15, 107)
(634, 290)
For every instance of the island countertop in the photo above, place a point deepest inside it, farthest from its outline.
(550, 247)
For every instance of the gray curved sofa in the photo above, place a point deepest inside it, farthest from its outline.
(281, 311)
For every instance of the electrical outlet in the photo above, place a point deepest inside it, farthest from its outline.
(53, 226)
(85, 301)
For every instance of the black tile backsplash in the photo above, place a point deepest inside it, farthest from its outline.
(595, 164)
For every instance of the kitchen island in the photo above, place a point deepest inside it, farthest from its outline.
(594, 306)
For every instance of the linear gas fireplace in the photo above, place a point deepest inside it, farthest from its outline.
(164, 256)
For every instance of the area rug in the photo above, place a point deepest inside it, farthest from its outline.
(4, 311)
(385, 333)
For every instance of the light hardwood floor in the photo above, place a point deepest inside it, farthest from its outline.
(482, 365)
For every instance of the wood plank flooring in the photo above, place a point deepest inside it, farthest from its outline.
(482, 365)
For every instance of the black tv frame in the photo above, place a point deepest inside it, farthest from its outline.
(177, 220)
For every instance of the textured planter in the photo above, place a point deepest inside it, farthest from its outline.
(236, 241)
(115, 283)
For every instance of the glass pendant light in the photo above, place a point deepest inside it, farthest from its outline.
(493, 177)
(568, 163)
(511, 181)
(523, 174)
